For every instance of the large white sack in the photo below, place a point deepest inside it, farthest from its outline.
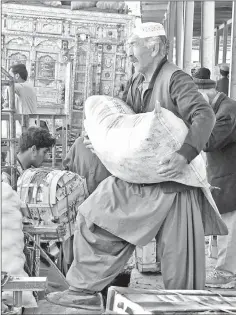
(131, 145)
(13, 258)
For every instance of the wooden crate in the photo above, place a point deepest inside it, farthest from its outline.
(140, 301)
(146, 258)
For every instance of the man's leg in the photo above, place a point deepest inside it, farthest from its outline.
(99, 257)
(226, 263)
(180, 244)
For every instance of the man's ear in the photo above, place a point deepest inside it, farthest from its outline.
(17, 76)
(156, 49)
(33, 149)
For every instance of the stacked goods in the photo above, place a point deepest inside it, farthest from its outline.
(81, 5)
(13, 258)
(52, 3)
(52, 196)
(111, 5)
(132, 146)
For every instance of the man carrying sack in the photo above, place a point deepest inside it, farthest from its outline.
(119, 215)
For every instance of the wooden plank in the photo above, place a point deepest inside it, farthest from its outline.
(154, 14)
(138, 301)
(26, 284)
(226, 293)
(152, 7)
(38, 230)
(44, 307)
(5, 115)
(48, 116)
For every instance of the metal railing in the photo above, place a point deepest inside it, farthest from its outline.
(9, 115)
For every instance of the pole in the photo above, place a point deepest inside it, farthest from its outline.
(179, 33)
(208, 26)
(232, 77)
(217, 46)
(188, 35)
(172, 14)
(225, 41)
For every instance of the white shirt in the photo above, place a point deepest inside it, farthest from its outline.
(26, 99)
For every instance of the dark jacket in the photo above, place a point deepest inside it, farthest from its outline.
(221, 154)
(222, 85)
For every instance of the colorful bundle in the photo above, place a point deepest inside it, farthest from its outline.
(52, 196)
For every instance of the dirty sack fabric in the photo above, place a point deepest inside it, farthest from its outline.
(119, 214)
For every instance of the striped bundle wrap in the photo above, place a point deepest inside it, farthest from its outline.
(52, 196)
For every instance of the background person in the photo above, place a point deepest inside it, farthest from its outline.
(222, 85)
(221, 169)
(34, 145)
(26, 99)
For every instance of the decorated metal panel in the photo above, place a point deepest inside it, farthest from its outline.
(47, 39)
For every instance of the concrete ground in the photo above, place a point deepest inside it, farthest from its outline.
(151, 281)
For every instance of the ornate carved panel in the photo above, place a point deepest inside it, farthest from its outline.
(47, 86)
(49, 26)
(18, 40)
(14, 57)
(46, 95)
(48, 45)
(46, 67)
(16, 24)
(106, 88)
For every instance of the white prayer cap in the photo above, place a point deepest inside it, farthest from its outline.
(224, 67)
(149, 29)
